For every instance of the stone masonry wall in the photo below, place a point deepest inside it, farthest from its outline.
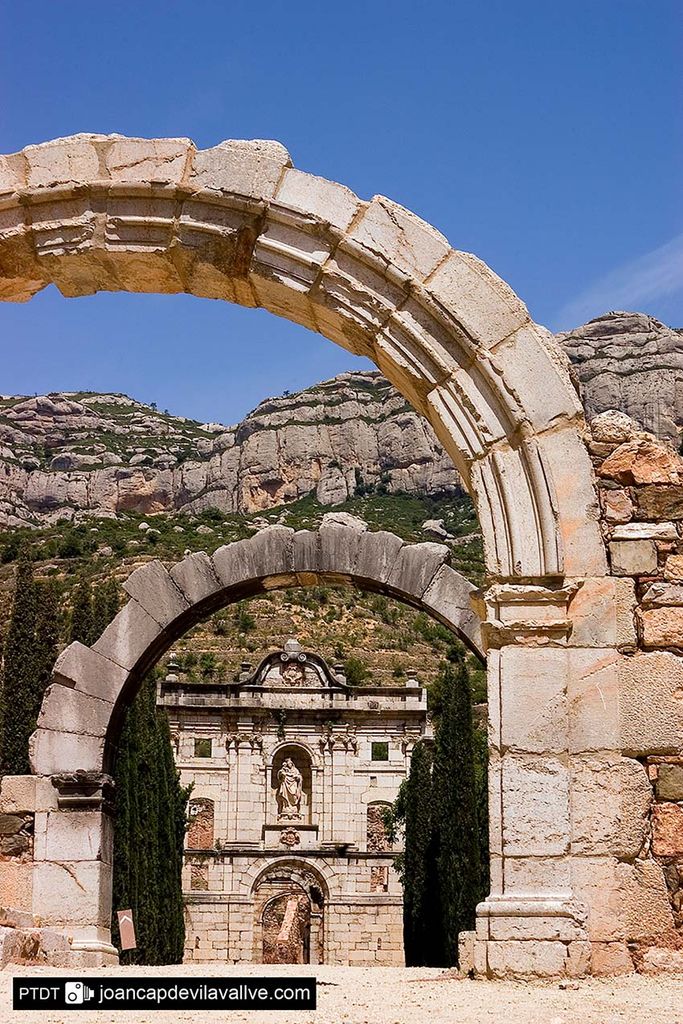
(640, 485)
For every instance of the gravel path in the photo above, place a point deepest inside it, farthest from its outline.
(382, 995)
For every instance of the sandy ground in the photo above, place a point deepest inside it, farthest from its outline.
(357, 995)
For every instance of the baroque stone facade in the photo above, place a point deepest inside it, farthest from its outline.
(287, 858)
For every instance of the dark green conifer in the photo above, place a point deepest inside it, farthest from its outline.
(19, 687)
(149, 833)
(420, 895)
(455, 811)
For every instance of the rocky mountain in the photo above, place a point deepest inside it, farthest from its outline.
(634, 363)
(76, 455)
(67, 455)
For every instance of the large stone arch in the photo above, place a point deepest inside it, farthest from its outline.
(238, 222)
(568, 803)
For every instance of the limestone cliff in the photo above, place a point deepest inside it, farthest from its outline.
(69, 456)
(65, 455)
(634, 363)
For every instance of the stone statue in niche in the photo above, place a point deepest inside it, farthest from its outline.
(290, 790)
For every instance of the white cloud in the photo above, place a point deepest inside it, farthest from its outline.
(635, 286)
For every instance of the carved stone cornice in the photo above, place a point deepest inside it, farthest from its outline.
(84, 791)
(527, 614)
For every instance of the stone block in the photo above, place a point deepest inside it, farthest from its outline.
(247, 168)
(526, 961)
(616, 505)
(76, 893)
(645, 531)
(535, 794)
(400, 238)
(68, 710)
(602, 613)
(625, 902)
(650, 712)
(448, 598)
(661, 961)
(16, 885)
(12, 173)
(234, 563)
(64, 161)
(669, 782)
(78, 836)
(673, 568)
(485, 307)
(88, 672)
(154, 590)
(643, 461)
(272, 551)
(129, 636)
(611, 799)
(17, 794)
(416, 566)
(528, 876)
(53, 753)
(667, 830)
(195, 577)
(326, 200)
(158, 161)
(662, 627)
(609, 959)
(530, 365)
(305, 546)
(659, 501)
(533, 701)
(633, 557)
(663, 595)
(593, 699)
(377, 552)
(338, 548)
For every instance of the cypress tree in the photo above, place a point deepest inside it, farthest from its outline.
(19, 686)
(149, 833)
(81, 627)
(420, 894)
(455, 810)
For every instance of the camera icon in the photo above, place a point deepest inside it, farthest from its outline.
(76, 993)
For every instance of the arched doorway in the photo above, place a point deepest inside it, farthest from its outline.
(289, 908)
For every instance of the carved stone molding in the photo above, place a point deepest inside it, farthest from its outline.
(526, 613)
(84, 791)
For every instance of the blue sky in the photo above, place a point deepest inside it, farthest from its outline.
(543, 136)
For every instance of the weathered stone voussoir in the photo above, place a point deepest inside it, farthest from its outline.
(153, 588)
